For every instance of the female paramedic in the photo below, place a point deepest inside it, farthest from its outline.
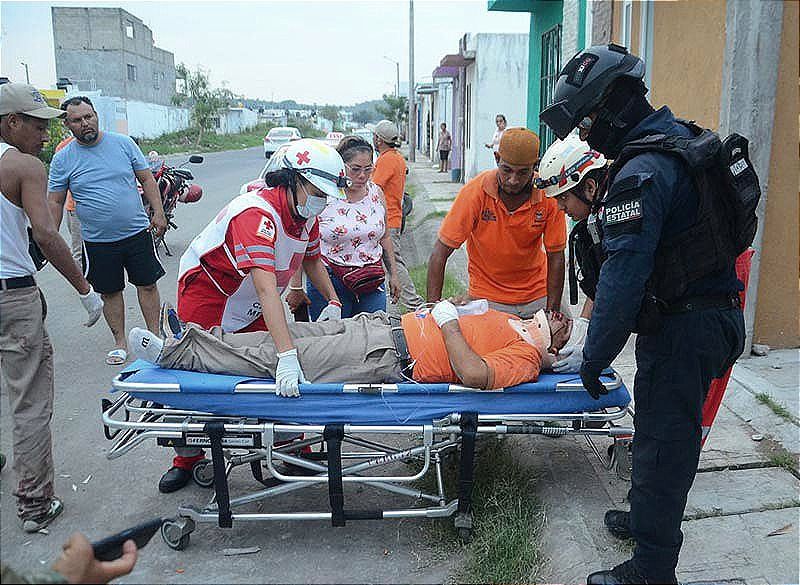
(576, 175)
(234, 272)
(355, 242)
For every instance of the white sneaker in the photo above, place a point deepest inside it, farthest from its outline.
(145, 345)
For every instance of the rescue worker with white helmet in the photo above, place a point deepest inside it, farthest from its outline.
(575, 175)
(233, 273)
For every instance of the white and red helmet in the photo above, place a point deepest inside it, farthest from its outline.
(318, 163)
(565, 163)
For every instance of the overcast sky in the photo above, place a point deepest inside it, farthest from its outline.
(312, 52)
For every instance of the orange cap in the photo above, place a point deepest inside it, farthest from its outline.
(519, 146)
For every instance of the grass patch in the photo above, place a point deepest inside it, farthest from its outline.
(432, 215)
(782, 412)
(507, 519)
(184, 141)
(450, 288)
(784, 459)
(411, 189)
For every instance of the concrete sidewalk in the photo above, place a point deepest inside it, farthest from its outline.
(742, 516)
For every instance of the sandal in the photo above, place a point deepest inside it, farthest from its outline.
(116, 357)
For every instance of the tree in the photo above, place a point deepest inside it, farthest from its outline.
(206, 102)
(394, 109)
(330, 113)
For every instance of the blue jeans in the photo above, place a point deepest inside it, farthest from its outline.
(352, 304)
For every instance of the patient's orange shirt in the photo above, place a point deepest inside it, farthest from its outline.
(511, 359)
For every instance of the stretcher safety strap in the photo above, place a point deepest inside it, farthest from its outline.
(215, 431)
(469, 430)
(333, 435)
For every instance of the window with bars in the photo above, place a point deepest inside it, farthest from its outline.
(131, 72)
(551, 65)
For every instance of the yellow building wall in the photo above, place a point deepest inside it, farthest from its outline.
(778, 312)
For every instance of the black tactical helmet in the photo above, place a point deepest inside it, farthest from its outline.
(584, 83)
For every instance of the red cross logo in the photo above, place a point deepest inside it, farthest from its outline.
(303, 158)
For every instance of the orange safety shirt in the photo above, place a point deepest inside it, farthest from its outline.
(390, 175)
(511, 359)
(506, 249)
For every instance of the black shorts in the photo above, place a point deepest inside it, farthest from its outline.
(107, 262)
(444, 154)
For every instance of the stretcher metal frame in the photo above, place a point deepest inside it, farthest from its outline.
(240, 440)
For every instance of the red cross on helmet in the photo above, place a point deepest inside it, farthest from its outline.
(318, 163)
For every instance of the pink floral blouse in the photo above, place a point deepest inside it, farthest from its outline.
(351, 232)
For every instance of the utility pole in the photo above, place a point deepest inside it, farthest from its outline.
(27, 77)
(397, 66)
(412, 110)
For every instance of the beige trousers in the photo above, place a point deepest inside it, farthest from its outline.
(408, 294)
(26, 372)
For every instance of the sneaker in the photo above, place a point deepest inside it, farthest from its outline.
(169, 323)
(36, 523)
(145, 345)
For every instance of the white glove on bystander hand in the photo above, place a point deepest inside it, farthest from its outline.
(93, 303)
(288, 374)
(331, 312)
(570, 357)
(444, 312)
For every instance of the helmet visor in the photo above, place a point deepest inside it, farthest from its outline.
(559, 119)
(331, 185)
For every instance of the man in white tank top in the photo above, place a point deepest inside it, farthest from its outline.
(27, 369)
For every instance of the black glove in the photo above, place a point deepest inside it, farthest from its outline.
(590, 377)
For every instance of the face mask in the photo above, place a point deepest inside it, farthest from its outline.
(313, 206)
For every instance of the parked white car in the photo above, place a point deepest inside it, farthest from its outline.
(272, 165)
(279, 136)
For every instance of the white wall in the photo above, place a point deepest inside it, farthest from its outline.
(499, 85)
(147, 120)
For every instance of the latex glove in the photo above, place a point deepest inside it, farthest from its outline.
(590, 377)
(444, 312)
(288, 374)
(93, 303)
(571, 356)
(331, 312)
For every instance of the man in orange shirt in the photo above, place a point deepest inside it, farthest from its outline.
(515, 235)
(390, 176)
(489, 350)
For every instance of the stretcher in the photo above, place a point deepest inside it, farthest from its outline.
(342, 436)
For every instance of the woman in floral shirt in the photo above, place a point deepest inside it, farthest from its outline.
(353, 236)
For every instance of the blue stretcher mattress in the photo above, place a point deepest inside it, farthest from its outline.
(329, 403)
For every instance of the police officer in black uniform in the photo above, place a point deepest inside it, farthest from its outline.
(690, 326)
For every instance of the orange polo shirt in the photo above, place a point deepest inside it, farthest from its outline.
(390, 175)
(506, 249)
(511, 359)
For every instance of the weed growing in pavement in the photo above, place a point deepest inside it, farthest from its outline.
(507, 519)
(784, 459)
(782, 412)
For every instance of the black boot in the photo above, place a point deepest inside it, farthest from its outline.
(618, 523)
(626, 574)
(174, 479)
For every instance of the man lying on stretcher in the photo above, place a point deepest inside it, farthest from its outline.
(488, 350)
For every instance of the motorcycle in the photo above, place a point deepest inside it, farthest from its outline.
(174, 184)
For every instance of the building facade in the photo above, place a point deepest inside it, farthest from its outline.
(111, 50)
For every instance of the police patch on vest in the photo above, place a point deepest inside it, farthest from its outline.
(623, 211)
(266, 229)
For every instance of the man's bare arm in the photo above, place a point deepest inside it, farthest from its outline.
(468, 365)
(436, 265)
(555, 279)
(151, 193)
(33, 186)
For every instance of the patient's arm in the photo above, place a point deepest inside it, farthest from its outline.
(468, 365)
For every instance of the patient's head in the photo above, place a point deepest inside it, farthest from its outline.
(548, 331)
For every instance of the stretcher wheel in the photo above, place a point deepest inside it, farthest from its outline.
(203, 473)
(173, 535)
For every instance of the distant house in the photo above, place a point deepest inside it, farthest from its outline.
(235, 120)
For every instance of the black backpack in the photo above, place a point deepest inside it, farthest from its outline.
(729, 193)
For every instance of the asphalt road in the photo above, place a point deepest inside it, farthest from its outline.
(102, 497)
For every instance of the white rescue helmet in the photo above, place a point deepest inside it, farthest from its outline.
(565, 163)
(318, 163)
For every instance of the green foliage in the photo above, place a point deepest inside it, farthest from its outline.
(394, 109)
(187, 141)
(207, 103)
(451, 287)
(57, 132)
(307, 129)
(778, 409)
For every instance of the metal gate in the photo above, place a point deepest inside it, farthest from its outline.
(551, 65)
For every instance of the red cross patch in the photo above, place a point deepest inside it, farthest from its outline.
(303, 157)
